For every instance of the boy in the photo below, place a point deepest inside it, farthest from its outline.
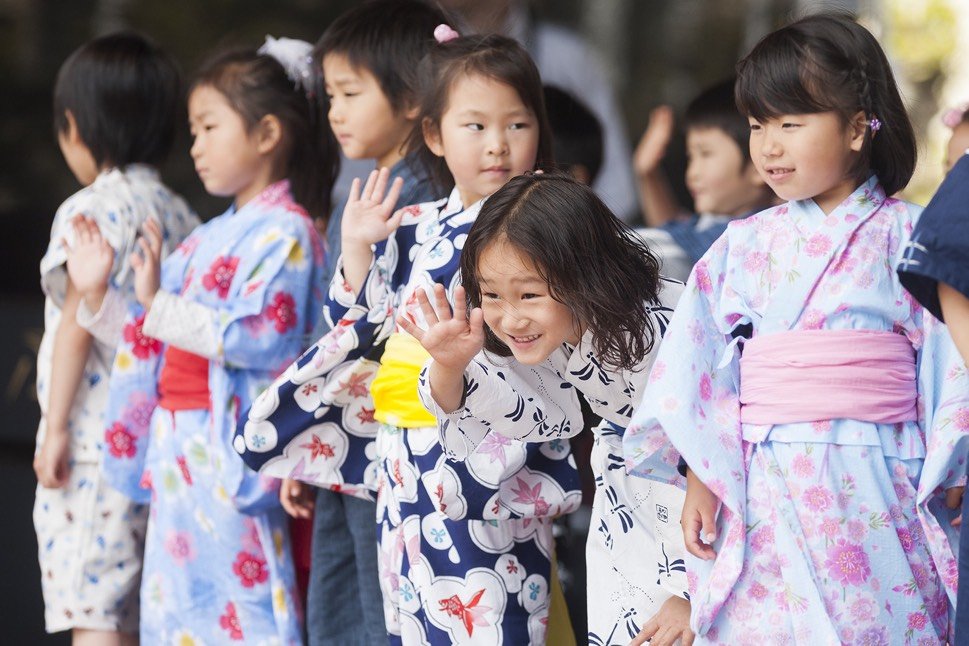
(369, 57)
(719, 175)
(115, 104)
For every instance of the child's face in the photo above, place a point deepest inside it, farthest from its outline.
(808, 156)
(957, 146)
(76, 153)
(361, 117)
(229, 160)
(518, 306)
(718, 175)
(486, 136)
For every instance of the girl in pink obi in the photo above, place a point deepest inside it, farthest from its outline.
(812, 399)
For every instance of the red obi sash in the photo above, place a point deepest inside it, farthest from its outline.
(184, 381)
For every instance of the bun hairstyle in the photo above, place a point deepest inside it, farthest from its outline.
(828, 62)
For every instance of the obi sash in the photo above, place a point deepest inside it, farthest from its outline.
(394, 388)
(184, 381)
(819, 375)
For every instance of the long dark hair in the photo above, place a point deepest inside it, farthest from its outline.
(828, 62)
(256, 85)
(593, 263)
(492, 56)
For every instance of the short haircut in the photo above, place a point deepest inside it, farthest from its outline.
(125, 95)
(716, 107)
(388, 38)
(576, 132)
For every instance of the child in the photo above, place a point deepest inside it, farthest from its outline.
(719, 175)
(114, 112)
(369, 57)
(825, 478)
(957, 119)
(231, 309)
(568, 305)
(464, 549)
(934, 271)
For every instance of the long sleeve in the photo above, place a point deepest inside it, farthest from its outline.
(183, 323)
(106, 324)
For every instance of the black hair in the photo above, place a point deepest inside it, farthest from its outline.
(255, 86)
(593, 263)
(388, 38)
(828, 62)
(491, 56)
(576, 130)
(716, 107)
(124, 93)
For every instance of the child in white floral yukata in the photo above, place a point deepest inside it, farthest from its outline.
(567, 304)
(114, 107)
(813, 400)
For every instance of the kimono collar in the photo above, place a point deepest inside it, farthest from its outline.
(455, 206)
(134, 171)
(809, 218)
(276, 195)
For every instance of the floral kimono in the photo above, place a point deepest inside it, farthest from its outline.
(635, 550)
(830, 530)
(465, 549)
(242, 292)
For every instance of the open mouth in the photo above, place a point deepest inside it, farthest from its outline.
(522, 340)
(779, 173)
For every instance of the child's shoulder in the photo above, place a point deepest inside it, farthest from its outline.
(416, 213)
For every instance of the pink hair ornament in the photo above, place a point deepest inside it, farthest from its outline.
(953, 116)
(443, 33)
(875, 125)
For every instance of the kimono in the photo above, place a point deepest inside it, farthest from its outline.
(217, 557)
(829, 531)
(464, 549)
(635, 551)
(91, 537)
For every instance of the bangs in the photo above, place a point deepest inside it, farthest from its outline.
(781, 77)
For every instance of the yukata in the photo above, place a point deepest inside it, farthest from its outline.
(635, 552)
(939, 252)
(464, 549)
(830, 528)
(90, 537)
(241, 295)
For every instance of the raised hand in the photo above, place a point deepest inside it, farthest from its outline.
(452, 340)
(652, 146)
(89, 261)
(369, 215)
(147, 265)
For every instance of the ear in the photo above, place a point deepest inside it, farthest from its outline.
(858, 127)
(268, 133)
(412, 110)
(71, 134)
(432, 137)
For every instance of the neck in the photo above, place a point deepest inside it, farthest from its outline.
(254, 188)
(469, 197)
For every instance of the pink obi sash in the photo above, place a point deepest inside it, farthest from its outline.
(819, 375)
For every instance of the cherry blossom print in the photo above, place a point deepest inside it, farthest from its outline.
(250, 569)
(220, 274)
(847, 562)
(229, 621)
(180, 547)
(282, 312)
(143, 347)
(120, 443)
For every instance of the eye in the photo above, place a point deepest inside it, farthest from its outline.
(529, 296)
(519, 126)
(788, 125)
(477, 127)
(491, 296)
(754, 127)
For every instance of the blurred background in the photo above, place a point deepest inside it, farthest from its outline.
(650, 52)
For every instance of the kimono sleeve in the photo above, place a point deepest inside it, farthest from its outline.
(519, 402)
(944, 410)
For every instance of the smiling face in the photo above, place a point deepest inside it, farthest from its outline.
(362, 119)
(229, 159)
(718, 176)
(487, 136)
(518, 306)
(808, 156)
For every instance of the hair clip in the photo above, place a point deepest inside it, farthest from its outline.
(295, 57)
(953, 116)
(443, 33)
(875, 125)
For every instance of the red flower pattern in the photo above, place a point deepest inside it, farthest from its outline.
(183, 467)
(220, 275)
(318, 447)
(250, 569)
(142, 346)
(230, 622)
(121, 443)
(282, 312)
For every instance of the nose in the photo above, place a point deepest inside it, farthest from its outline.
(196, 150)
(513, 320)
(770, 146)
(335, 114)
(498, 142)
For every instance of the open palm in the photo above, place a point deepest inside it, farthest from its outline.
(90, 258)
(369, 215)
(452, 339)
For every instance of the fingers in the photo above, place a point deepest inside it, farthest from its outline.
(411, 328)
(649, 629)
(709, 526)
(394, 221)
(687, 637)
(476, 323)
(429, 314)
(154, 235)
(354, 195)
(953, 497)
(383, 176)
(441, 304)
(957, 521)
(664, 637)
(691, 536)
(368, 187)
(136, 262)
(460, 303)
(392, 196)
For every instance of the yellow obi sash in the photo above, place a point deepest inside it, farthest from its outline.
(394, 388)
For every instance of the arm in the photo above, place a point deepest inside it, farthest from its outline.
(370, 218)
(71, 346)
(658, 203)
(955, 309)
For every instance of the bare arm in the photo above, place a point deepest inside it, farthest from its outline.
(955, 309)
(655, 194)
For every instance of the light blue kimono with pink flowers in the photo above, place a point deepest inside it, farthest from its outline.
(830, 531)
(218, 567)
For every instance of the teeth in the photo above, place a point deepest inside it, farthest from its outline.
(525, 339)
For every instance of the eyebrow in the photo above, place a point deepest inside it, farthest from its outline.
(343, 80)
(471, 112)
(518, 280)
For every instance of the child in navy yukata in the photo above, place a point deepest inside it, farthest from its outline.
(465, 549)
(719, 175)
(935, 270)
(114, 111)
(369, 57)
(215, 323)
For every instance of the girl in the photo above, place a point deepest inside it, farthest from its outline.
(230, 310)
(568, 305)
(826, 489)
(114, 107)
(464, 550)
